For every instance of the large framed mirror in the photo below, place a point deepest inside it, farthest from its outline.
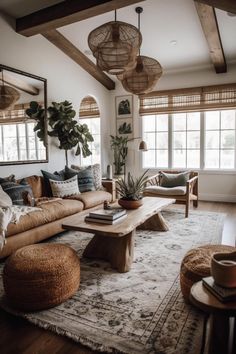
(19, 143)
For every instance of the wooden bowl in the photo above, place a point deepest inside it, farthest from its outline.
(130, 204)
(223, 269)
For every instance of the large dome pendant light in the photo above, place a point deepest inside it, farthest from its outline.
(115, 45)
(8, 95)
(145, 75)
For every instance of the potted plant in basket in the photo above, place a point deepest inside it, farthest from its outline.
(131, 191)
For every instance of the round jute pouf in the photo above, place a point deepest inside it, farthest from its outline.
(196, 265)
(41, 276)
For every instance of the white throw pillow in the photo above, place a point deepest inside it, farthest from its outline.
(65, 188)
(5, 200)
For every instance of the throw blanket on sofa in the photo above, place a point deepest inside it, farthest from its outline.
(12, 214)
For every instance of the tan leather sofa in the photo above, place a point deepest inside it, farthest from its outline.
(40, 225)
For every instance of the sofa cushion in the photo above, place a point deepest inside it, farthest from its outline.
(18, 192)
(92, 199)
(36, 183)
(97, 175)
(85, 178)
(174, 179)
(157, 190)
(64, 188)
(51, 211)
(46, 177)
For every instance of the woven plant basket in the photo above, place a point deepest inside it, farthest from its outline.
(8, 96)
(115, 45)
(41, 276)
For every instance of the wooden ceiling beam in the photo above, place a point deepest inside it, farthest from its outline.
(75, 54)
(226, 5)
(65, 13)
(210, 28)
(19, 84)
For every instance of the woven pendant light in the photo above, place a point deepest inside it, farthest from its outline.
(115, 45)
(8, 96)
(144, 76)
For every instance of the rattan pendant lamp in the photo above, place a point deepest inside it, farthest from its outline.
(8, 95)
(115, 45)
(146, 73)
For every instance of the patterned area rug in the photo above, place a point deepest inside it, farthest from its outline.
(142, 311)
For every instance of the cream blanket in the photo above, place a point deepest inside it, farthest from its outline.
(12, 214)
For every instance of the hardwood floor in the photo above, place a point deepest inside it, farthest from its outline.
(18, 336)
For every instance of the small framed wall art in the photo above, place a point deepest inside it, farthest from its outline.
(124, 107)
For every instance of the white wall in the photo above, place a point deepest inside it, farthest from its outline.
(66, 80)
(213, 186)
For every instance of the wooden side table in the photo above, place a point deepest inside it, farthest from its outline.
(222, 319)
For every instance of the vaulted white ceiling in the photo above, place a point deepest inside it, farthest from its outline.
(171, 30)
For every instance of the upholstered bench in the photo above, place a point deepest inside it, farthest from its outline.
(41, 276)
(197, 265)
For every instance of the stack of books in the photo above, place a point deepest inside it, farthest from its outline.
(222, 294)
(108, 216)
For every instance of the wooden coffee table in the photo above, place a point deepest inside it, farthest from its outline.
(115, 243)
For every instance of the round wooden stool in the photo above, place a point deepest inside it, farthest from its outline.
(196, 264)
(220, 319)
(41, 276)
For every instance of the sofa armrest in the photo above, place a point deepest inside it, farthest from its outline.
(110, 186)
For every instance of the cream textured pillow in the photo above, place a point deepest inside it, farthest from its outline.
(64, 188)
(5, 200)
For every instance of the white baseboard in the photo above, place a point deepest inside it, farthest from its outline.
(217, 197)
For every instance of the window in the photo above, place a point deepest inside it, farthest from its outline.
(190, 140)
(95, 147)
(23, 137)
(155, 134)
(186, 140)
(220, 139)
(89, 114)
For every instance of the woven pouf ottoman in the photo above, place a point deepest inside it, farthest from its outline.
(41, 276)
(197, 265)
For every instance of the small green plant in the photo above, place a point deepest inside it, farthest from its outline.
(120, 149)
(133, 188)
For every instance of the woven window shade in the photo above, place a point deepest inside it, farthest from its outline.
(189, 100)
(89, 108)
(15, 115)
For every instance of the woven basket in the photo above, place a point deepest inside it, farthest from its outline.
(41, 276)
(197, 264)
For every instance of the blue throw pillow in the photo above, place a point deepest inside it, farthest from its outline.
(20, 193)
(46, 177)
(85, 178)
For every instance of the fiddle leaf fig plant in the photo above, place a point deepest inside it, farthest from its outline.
(37, 112)
(65, 128)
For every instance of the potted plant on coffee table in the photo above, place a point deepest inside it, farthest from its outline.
(131, 191)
